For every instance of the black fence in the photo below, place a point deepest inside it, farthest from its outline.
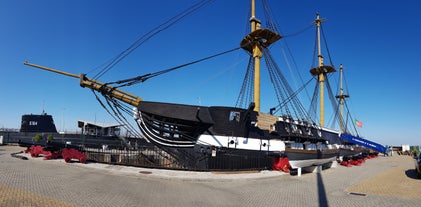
(154, 157)
(144, 156)
(139, 153)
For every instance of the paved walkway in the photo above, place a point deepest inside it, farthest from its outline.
(37, 182)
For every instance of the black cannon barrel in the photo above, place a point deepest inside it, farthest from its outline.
(28, 144)
(55, 146)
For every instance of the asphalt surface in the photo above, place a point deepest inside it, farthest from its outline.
(38, 182)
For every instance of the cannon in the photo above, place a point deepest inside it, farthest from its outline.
(67, 151)
(34, 149)
(54, 150)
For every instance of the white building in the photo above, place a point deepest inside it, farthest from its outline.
(99, 129)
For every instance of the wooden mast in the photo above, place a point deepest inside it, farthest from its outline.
(254, 42)
(321, 75)
(342, 96)
(257, 54)
(96, 85)
(321, 70)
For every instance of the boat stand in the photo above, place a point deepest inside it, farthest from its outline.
(316, 168)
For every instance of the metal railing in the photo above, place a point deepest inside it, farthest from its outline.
(143, 154)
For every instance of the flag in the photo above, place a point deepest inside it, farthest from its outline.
(358, 123)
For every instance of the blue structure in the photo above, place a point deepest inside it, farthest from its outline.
(365, 143)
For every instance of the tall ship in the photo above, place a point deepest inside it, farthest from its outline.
(223, 137)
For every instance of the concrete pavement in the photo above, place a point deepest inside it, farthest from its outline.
(37, 182)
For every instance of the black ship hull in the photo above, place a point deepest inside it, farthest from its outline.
(349, 151)
(192, 133)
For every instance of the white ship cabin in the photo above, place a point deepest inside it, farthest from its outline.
(99, 129)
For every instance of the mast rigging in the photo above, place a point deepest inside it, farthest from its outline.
(165, 25)
(321, 70)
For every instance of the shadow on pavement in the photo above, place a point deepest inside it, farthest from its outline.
(322, 191)
(410, 173)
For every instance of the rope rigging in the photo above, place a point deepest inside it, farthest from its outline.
(337, 118)
(353, 126)
(167, 24)
(280, 83)
(327, 74)
(270, 22)
(313, 104)
(117, 115)
(288, 103)
(143, 78)
(288, 99)
(114, 107)
(284, 92)
(272, 25)
(327, 48)
(246, 92)
(334, 103)
(315, 53)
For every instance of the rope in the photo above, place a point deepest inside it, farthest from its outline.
(293, 95)
(172, 21)
(327, 48)
(298, 32)
(313, 106)
(333, 102)
(353, 125)
(245, 97)
(142, 78)
(270, 22)
(116, 116)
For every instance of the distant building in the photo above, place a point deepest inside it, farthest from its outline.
(405, 149)
(98, 129)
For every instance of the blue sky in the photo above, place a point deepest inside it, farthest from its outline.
(378, 44)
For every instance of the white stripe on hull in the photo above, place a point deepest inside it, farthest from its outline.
(274, 145)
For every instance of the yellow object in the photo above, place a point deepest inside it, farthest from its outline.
(96, 85)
